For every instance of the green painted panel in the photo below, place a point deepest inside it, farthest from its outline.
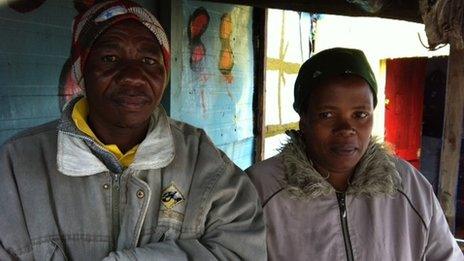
(37, 73)
(33, 50)
(11, 125)
(37, 107)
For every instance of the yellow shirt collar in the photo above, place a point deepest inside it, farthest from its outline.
(79, 116)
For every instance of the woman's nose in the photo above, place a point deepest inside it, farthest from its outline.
(344, 128)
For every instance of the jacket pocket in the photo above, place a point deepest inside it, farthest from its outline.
(162, 233)
(50, 250)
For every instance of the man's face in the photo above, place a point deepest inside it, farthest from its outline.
(337, 124)
(124, 76)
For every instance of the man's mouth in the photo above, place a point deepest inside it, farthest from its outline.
(131, 102)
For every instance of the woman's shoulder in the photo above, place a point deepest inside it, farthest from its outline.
(267, 176)
(412, 180)
(416, 189)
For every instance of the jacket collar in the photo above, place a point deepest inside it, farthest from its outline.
(375, 174)
(79, 155)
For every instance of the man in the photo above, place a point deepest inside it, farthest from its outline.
(115, 178)
(334, 192)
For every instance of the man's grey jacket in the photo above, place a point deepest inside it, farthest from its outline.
(63, 197)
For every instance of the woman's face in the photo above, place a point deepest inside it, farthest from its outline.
(337, 124)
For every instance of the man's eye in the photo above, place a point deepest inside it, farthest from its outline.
(361, 114)
(148, 60)
(325, 115)
(109, 58)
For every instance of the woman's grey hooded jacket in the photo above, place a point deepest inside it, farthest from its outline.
(389, 211)
(62, 197)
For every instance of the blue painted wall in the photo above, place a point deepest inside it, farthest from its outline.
(203, 96)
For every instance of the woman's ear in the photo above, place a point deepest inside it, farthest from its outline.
(303, 123)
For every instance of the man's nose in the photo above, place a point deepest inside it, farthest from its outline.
(344, 127)
(131, 73)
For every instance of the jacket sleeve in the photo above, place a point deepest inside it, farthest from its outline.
(234, 227)
(4, 255)
(13, 231)
(441, 244)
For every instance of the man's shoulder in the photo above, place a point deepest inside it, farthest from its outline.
(189, 135)
(416, 189)
(42, 131)
(185, 128)
(29, 149)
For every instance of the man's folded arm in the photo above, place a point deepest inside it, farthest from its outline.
(234, 228)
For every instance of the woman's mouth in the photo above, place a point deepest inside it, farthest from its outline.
(344, 150)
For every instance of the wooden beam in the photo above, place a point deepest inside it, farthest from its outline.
(407, 10)
(276, 129)
(259, 98)
(452, 134)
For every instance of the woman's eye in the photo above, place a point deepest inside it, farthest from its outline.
(325, 115)
(148, 60)
(109, 58)
(361, 114)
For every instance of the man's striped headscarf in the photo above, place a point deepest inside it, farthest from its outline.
(88, 26)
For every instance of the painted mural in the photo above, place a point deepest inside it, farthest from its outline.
(226, 55)
(198, 23)
(212, 85)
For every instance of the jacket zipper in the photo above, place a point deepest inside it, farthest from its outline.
(344, 221)
(116, 180)
(115, 187)
(83, 137)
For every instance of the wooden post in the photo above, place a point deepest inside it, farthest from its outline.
(452, 134)
(259, 99)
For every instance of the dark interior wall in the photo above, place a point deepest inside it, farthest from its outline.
(432, 132)
(34, 44)
(460, 198)
(432, 122)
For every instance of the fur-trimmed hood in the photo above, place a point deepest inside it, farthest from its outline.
(375, 174)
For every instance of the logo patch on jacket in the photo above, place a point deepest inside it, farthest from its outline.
(171, 196)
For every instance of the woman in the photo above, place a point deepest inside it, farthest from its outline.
(334, 192)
